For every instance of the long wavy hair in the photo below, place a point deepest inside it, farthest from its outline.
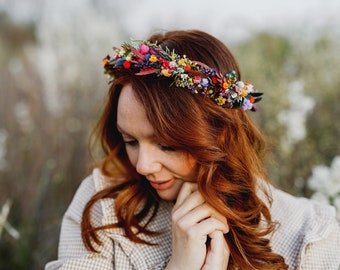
(227, 146)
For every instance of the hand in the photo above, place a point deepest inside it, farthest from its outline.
(218, 252)
(193, 220)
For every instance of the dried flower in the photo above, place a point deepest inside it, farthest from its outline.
(145, 58)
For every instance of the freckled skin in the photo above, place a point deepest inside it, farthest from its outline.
(151, 159)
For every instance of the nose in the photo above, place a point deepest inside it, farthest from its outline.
(148, 160)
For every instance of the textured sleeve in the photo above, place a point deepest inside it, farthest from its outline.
(117, 251)
(72, 253)
(323, 254)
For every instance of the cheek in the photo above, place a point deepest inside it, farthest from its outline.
(132, 156)
(187, 167)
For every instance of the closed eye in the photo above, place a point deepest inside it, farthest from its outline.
(131, 142)
(166, 148)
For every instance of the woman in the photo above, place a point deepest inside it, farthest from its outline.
(182, 184)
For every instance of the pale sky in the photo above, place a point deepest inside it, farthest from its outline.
(230, 19)
(233, 18)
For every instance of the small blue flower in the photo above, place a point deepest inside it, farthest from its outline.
(146, 57)
(120, 62)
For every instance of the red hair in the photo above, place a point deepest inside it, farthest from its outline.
(228, 147)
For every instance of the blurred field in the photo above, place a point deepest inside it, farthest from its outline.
(50, 98)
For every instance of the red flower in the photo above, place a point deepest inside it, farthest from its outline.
(164, 63)
(127, 64)
(214, 79)
(197, 79)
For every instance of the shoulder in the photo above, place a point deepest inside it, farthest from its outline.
(304, 226)
(316, 219)
(82, 195)
(87, 188)
(116, 248)
(72, 253)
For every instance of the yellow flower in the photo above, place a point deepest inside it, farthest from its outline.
(153, 58)
(220, 100)
(182, 61)
(225, 85)
(243, 92)
(105, 61)
(166, 72)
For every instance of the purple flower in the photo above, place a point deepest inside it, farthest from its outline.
(247, 105)
(204, 82)
(153, 51)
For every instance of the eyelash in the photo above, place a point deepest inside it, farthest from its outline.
(131, 143)
(163, 147)
(167, 148)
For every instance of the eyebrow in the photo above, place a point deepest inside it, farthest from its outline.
(121, 130)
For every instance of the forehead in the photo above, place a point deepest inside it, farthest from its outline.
(131, 116)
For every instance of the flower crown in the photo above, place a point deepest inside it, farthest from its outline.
(144, 58)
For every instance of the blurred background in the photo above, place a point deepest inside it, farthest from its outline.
(52, 88)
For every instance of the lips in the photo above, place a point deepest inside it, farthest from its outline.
(162, 185)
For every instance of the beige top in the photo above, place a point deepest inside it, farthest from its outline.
(308, 237)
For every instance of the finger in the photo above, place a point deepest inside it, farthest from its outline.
(191, 202)
(201, 212)
(218, 240)
(208, 226)
(216, 214)
(186, 189)
(218, 252)
(218, 245)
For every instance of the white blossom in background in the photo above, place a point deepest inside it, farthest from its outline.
(23, 116)
(294, 119)
(73, 38)
(4, 224)
(325, 182)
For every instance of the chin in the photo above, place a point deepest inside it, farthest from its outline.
(167, 196)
